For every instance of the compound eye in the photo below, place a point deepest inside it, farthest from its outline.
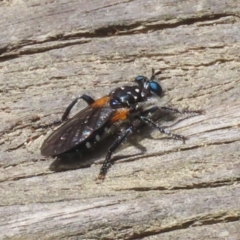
(140, 80)
(154, 87)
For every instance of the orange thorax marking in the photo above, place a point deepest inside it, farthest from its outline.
(101, 102)
(120, 114)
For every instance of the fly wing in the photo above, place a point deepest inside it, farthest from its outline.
(76, 130)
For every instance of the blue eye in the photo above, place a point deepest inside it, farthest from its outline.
(155, 87)
(140, 80)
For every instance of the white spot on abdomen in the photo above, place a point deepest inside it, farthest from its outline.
(97, 138)
(88, 144)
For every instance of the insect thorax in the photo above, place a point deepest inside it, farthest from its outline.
(126, 96)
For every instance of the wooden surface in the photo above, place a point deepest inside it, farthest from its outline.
(52, 51)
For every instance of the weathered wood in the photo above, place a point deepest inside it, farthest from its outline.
(52, 51)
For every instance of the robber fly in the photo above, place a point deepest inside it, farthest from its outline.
(125, 104)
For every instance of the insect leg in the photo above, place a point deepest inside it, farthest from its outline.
(174, 110)
(107, 164)
(161, 129)
(150, 111)
(89, 100)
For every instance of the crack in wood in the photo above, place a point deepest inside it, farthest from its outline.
(7, 52)
(201, 220)
(201, 185)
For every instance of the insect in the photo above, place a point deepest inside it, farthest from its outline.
(127, 104)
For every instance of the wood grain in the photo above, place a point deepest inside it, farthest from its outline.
(158, 188)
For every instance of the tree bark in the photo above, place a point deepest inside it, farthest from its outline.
(158, 188)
